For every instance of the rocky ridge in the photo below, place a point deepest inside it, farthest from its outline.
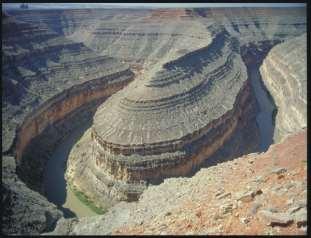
(24, 211)
(284, 72)
(63, 79)
(180, 114)
(268, 198)
(57, 64)
(56, 27)
(145, 132)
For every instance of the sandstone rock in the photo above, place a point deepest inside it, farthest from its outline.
(162, 125)
(294, 209)
(123, 146)
(254, 208)
(152, 206)
(300, 217)
(276, 219)
(244, 220)
(226, 208)
(248, 196)
(224, 195)
(278, 171)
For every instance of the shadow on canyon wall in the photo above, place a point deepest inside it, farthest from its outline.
(251, 135)
(237, 146)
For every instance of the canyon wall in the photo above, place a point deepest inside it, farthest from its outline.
(24, 211)
(47, 81)
(191, 97)
(56, 64)
(158, 126)
(284, 73)
(255, 194)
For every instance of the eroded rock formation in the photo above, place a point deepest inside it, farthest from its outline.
(157, 126)
(256, 194)
(24, 211)
(284, 72)
(46, 80)
(191, 95)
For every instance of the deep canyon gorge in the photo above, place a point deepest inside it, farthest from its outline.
(114, 103)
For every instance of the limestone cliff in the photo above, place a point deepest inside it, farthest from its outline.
(284, 72)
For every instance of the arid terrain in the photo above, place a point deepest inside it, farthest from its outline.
(154, 121)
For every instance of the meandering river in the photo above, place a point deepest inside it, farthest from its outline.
(57, 190)
(264, 117)
(60, 194)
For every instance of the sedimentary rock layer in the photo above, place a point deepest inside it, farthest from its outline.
(227, 199)
(157, 126)
(191, 97)
(24, 211)
(284, 72)
(253, 25)
(46, 79)
(61, 76)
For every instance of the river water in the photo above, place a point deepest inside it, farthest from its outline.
(266, 107)
(55, 184)
(60, 194)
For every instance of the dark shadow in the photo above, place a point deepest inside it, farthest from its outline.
(255, 133)
(253, 56)
(67, 212)
(54, 174)
(43, 164)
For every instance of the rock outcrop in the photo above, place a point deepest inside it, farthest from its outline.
(46, 80)
(58, 68)
(284, 72)
(61, 77)
(24, 211)
(165, 123)
(253, 195)
(189, 100)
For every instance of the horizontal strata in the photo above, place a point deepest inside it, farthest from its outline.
(59, 70)
(144, 115)
(147, 132)
(57, 107)
(284, 72)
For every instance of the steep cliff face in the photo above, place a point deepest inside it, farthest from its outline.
(56, 64)
(253, 25)
(191, 99)
(256, 194)
(284, 72)
(24, 211)
(157, 126)
(46, 80)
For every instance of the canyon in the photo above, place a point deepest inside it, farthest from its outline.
(150, 94)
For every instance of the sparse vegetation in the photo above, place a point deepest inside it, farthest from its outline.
(86, 200)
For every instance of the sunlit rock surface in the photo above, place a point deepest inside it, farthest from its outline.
(190, 95)
(284, 72)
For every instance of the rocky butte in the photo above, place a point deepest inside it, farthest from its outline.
(163, 93)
